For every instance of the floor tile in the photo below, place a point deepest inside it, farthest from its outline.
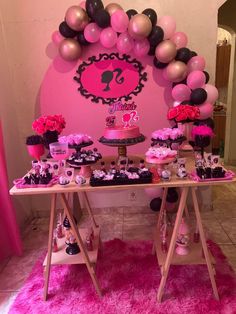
(140, 219)
(138, 232)
(215, 232)
(12, 278)
(6, 300)
(229, 225)
(230, 252)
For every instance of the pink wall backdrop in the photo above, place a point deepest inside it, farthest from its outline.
(59, 95)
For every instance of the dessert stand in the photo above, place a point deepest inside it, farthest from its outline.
(168, 142)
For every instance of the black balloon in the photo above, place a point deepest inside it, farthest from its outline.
(198, 96)
(152, 51)
(92, 6)
(182, 82)
(209, 122)
(131, 13)
(66, 31)
(102, 18)
(155, 204)
(193, 54)
(207, 76)
(156, 36)
(81, 39)
(187, 102)
(183, 54)
(151, 14)
(172, 195)
(158, 64)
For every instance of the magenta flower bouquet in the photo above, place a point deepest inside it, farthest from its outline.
(49, 123)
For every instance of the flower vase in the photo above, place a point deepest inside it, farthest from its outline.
(186, 128)
(48, 138)
(36, 151)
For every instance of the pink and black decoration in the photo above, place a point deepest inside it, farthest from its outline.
(115, 77)
(142, 34)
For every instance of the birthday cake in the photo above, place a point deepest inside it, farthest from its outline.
(160, 155)
(122, 135)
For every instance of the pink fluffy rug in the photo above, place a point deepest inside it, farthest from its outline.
(129, 276)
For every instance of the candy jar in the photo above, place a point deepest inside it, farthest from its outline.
(183, 239)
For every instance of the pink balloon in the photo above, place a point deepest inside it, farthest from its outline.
(92, 33)
(141, 47)
(108, 37)
(196, 63)
(119, 21)
(83, 5)
(125, 43)
(168, 24)
(206, 111)
(180, 39)
(181, 92)
(176, 71)
(212, 93)
(153, 192)
(57, 38)
(176, 103)
(166, 51)
(196, 79)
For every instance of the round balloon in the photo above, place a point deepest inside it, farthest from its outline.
(93, 6)
(108, 37)
(152, 50)
(76, 18)
(172, 195)
(125, 43)
(166, 51)
(181, 92)
(92, 33)
(102, 18)
(151, 14)
(141, 47)
(196, 63)
(183, 54)
(119, 21)
(176, 71)
(83, 5)
(206, 111)
(69, 49)
(156, 36)
(212, 93)
(112, 8)
(57, 38)
(180, 39)
(81, 39)
(196, 79)
(209, 122)
(168, 24)
(66, 31)
(153, 192)
(139, 26)
(198, 96)
(207, 76)
(158, 64)
(155, 204)
(131, 13)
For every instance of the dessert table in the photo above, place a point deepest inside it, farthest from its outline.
(198, 255)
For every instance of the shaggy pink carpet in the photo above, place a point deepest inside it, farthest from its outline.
(129, 276)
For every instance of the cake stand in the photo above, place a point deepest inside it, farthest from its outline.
(161, 163)
(78, 147)
(168, 142)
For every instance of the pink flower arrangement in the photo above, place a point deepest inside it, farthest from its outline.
(49, 123)
(202, 130)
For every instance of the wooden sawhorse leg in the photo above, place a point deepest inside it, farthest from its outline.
(204, 244)
(50, 239)
(166, 266)
(79, 240)
(89, 210)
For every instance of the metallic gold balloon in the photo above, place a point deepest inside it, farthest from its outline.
(69, 49)
(140, 26)
(176, 71)
(76, 18)
(166, 51)
(112, 8)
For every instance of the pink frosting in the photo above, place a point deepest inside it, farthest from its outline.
(160, 152)
(120, 132)
(167, 133)
(75, 139)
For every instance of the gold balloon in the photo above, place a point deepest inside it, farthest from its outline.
(176, 71)
(69, 49)
(140, 26)
(76, 18)
(112, 8)
(166, 51)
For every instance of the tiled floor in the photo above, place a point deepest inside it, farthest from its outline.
(124, 223)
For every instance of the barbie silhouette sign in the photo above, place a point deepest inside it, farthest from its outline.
(110, 77)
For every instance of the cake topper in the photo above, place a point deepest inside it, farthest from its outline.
(128, 117)
(110, 120)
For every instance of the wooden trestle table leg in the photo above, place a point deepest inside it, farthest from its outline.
(50, 239)
(204, 244)
(79, 240)
(166, 266)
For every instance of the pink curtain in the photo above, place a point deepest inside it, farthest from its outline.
(10, 242)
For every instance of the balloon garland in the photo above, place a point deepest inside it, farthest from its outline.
(144, 34)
